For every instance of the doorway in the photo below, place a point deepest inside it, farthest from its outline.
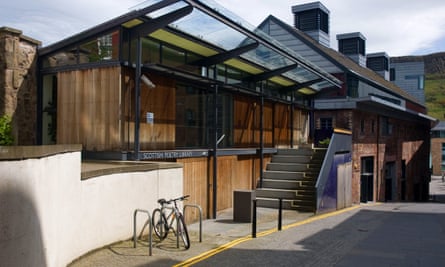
(390, 182)
(367, 179)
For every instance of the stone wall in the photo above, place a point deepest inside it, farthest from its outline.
(18, 83)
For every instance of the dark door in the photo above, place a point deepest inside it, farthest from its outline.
(390, 181)
(367, 179)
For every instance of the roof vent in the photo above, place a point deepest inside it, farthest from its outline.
(353, 45)
(313, 19)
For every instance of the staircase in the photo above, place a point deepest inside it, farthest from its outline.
(291, 175)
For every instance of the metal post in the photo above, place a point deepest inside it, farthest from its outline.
(137, 98)
(280, 213)
(200, 217)
(254, 219)
(150, 231)
(215, 148)
(261, 136)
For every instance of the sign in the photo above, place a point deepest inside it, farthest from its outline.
(150, 117)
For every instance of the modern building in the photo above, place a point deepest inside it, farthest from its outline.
(223, 99)
(390, 128)
(155, 84)
(409, 74)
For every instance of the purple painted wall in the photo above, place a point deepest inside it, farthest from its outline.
(329, 198)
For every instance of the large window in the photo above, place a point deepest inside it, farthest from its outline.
(195, 118)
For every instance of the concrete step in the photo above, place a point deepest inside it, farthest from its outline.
(275, 193)
(291, 159)
(300, 185)
(295, 152)
(281, 184)
(289, 167)
(282, 175)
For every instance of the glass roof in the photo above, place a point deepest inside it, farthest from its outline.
(222, 31)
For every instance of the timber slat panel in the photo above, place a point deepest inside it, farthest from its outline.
(88, 108)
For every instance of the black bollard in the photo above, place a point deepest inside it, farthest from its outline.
(254, 219)
(280, 213)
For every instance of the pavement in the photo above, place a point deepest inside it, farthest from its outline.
(373, 234)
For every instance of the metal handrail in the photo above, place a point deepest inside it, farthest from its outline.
(200, 217)
(150, 232)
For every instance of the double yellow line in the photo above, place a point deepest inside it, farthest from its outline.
(235, 242)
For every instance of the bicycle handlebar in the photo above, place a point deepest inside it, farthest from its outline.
(163, 201)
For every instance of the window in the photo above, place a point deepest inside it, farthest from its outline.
(362, 126)
(420, 80)
(386, 126)
(352, 83)
(195, 113)
(325, 123)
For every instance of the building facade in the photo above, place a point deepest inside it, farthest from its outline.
(390, 131)
(151, 86)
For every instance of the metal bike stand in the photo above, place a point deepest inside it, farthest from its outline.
(150, 231)
(200, 217)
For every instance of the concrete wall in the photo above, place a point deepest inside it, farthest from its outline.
(49, 216)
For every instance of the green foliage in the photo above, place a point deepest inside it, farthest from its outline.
(324, 142)
(435, 95)
(6, 138)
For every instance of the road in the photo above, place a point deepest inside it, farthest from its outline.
(387, 234)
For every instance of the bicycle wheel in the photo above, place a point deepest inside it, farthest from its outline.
(182, 231)
(159, 225)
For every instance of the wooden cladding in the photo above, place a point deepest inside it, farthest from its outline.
(88, 108)
(233, 173)
(280, 126)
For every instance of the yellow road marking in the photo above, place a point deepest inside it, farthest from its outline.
(235, 242)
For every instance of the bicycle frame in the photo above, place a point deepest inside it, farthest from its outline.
(163, 220)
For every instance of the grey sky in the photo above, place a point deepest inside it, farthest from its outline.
(398, 27)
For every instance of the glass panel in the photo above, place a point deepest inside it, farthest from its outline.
(172, 57)
(190, 117)
(150, 51)
(63, 58)
(105, 47)
(222, 30)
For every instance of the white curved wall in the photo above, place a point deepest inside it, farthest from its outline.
(49, 217)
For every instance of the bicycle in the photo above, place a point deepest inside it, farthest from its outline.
(162, 223)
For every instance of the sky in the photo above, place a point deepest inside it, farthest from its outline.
(397, 27)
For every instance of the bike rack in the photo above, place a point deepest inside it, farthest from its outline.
(150, 232)
(200, 217)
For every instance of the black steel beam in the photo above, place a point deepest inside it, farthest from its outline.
(160, 22)
(291, 88)
(221, 57)
(269, 74)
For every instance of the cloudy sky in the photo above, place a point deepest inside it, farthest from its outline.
(398, 27)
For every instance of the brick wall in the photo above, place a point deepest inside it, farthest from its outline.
(18, 83)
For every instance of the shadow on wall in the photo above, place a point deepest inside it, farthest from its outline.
(21, 241)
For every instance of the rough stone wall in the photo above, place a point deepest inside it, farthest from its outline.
(18, 83)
